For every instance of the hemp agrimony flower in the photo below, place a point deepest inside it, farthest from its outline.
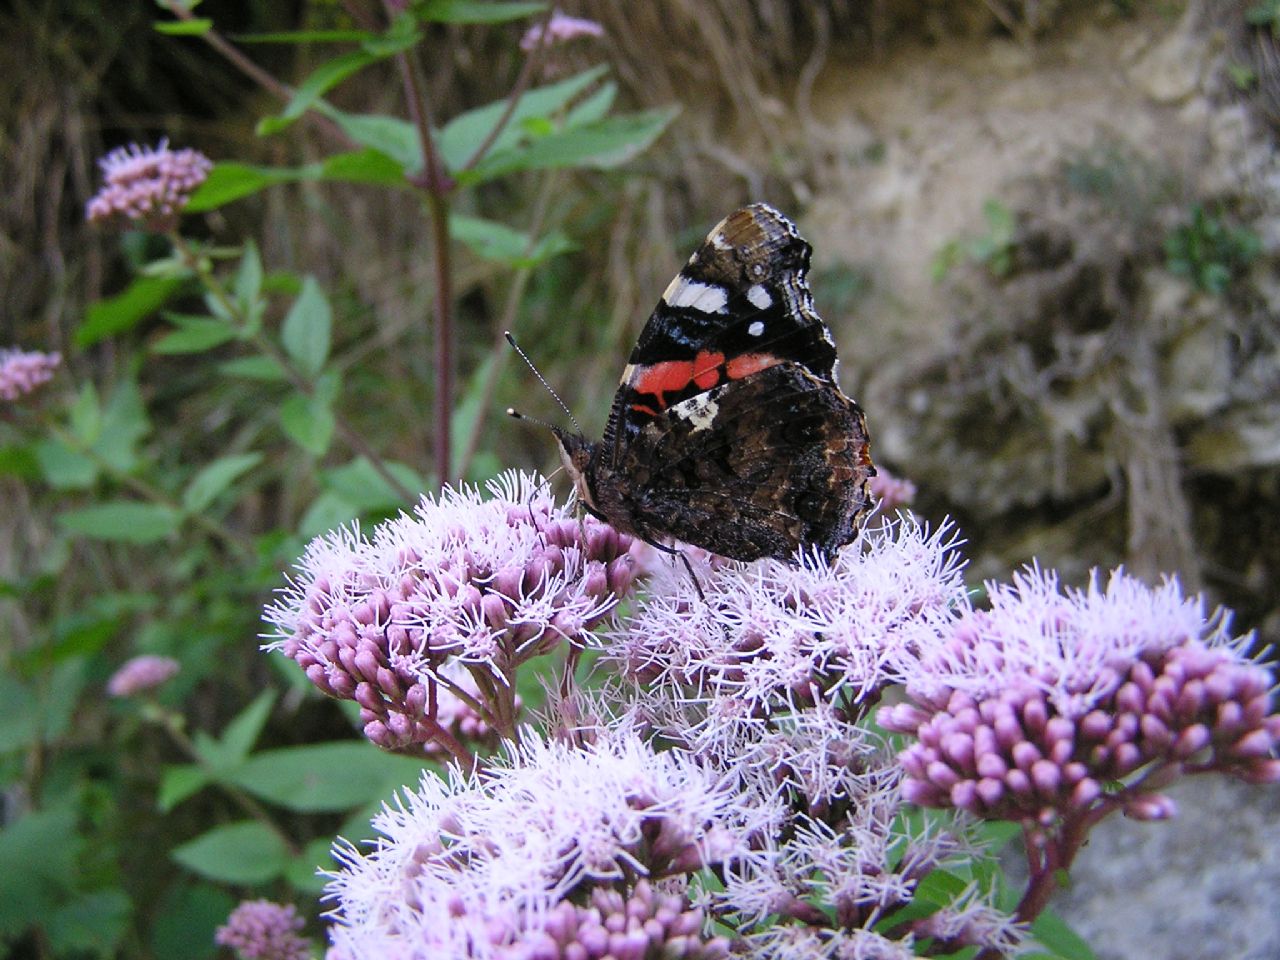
(263, 930)
(142, 674)
(22, 371)
(147, 186)
(1030, 709)
(485, 583)
(480, 865)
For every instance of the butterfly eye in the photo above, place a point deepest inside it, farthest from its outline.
(757, 270)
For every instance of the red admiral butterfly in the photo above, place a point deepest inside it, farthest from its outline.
(728, 430)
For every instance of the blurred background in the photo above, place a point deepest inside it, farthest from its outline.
(1045, 233)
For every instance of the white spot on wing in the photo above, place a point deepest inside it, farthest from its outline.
(700, 411)
(756, 328)
(707, 297)
(629, 369)
(759, 297)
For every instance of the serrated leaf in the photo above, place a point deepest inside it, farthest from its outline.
(247, 852)
(325, 777)
(603, 144)
(1053, 933)
(476, 11)
(214, 478)
(253, 368)
(307, 328)
(308, 422)
(194, 335)
(179, 782)
(122, 521)
(142, 298)
(462, 135)
(184, 28)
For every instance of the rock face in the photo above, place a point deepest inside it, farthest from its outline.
(1204, 886)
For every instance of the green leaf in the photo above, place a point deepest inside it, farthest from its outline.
(303, 870)
(184, 28)
(248, 285)
(38, 855)
(307, 327)
(1052, 932)
(242, 732)
(143, 297)
(214, 478)
(308, 422)
(228, 182)
(396, 138)
(124, 424)
(247, 852)
(326, 777)
(253, 368)
(364, 489)
(194, 334)
(498, 242)
(602, 144)
(363, 166)
(475, 11)
(324, 78)
(64, 468)
(91, 923)
(462, 135)
(186, 920)
(122, 521)
(19, 460)
(179, 782)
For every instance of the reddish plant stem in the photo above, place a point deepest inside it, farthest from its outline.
(438, 186)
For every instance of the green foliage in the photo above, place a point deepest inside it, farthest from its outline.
(1265, 14)
(992, 250)
(1209, 252)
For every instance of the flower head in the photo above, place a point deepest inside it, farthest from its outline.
(560, 29)
(147, 186)
(891, 491)
(263, 930)
(22, 371)
(142, 674)
(1025, 710)
(482, 863)
(488, 583)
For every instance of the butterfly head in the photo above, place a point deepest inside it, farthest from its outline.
(575, 454)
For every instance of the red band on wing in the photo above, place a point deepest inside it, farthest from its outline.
(706, 368)
(749, 363)
(670, 376)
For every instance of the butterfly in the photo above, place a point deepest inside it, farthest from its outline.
(728, 430)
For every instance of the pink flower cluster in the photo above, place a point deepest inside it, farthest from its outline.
(263, 930)
(1039, 737)
(560, 29)
(488, 583)
(486, 865)
(147, 186)
(613, 926)
(457, 713)
(141, 674)
(891, 491)
(22, 371)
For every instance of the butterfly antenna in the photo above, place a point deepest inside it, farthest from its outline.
(542, 380)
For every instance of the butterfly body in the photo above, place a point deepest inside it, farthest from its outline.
(728, 430)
